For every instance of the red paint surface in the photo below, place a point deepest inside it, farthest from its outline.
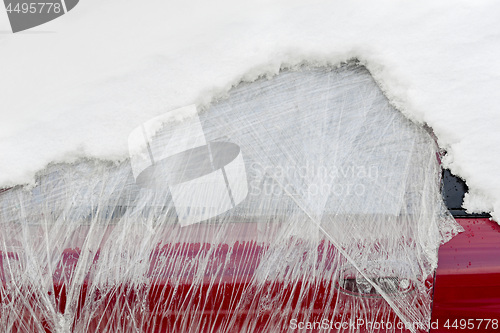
(467, 285)
(219, 302)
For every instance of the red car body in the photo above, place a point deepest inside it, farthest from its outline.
(467, 284)
(170, 293)
(466, 287)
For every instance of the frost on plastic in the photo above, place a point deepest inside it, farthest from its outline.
(303, 198)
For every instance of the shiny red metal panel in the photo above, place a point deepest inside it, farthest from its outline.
(229, 305)
(467, 284)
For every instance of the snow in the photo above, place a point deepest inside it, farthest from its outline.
(77, 86)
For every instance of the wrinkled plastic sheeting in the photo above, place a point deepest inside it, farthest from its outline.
(339, 203)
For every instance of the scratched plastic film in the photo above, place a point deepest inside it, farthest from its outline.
(305, 198)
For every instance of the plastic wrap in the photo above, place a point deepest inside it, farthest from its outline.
(302, 198)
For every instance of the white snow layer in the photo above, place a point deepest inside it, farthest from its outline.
(77, 86)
